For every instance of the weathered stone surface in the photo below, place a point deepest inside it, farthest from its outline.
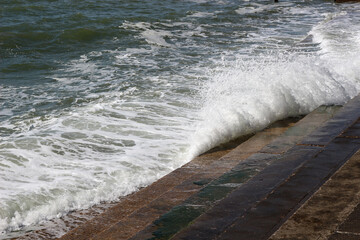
(352, 223)
(344, 236)
(328, 208)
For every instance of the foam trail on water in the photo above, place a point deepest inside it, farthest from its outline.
(339, 38)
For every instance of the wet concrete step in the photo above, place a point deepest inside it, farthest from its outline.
(256, 209)
(332, 212)
(250, 158)
(138, 210)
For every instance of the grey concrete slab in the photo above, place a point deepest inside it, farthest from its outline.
(329, 207)
(352, 223)
(344, 236)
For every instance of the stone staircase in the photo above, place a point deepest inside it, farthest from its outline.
(245, 192)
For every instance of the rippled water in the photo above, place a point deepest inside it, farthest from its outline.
(99, 98)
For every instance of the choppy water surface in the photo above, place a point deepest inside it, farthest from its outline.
(99, 98)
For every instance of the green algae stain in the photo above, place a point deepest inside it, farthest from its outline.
(181, 216)
(235, 176)
(211, 194)
(175, 220)
(202, 182)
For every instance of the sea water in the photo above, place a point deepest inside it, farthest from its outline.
(101, 98)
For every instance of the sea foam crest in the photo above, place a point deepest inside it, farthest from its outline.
(247, 96)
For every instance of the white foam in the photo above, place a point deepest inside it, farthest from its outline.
(6, 112)
(338, 36)
(247, 96)
(201, 14)
(254, 8)
(156, 37)
(220, 2)
(88, 154)
(137, 25)
(152, 36)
